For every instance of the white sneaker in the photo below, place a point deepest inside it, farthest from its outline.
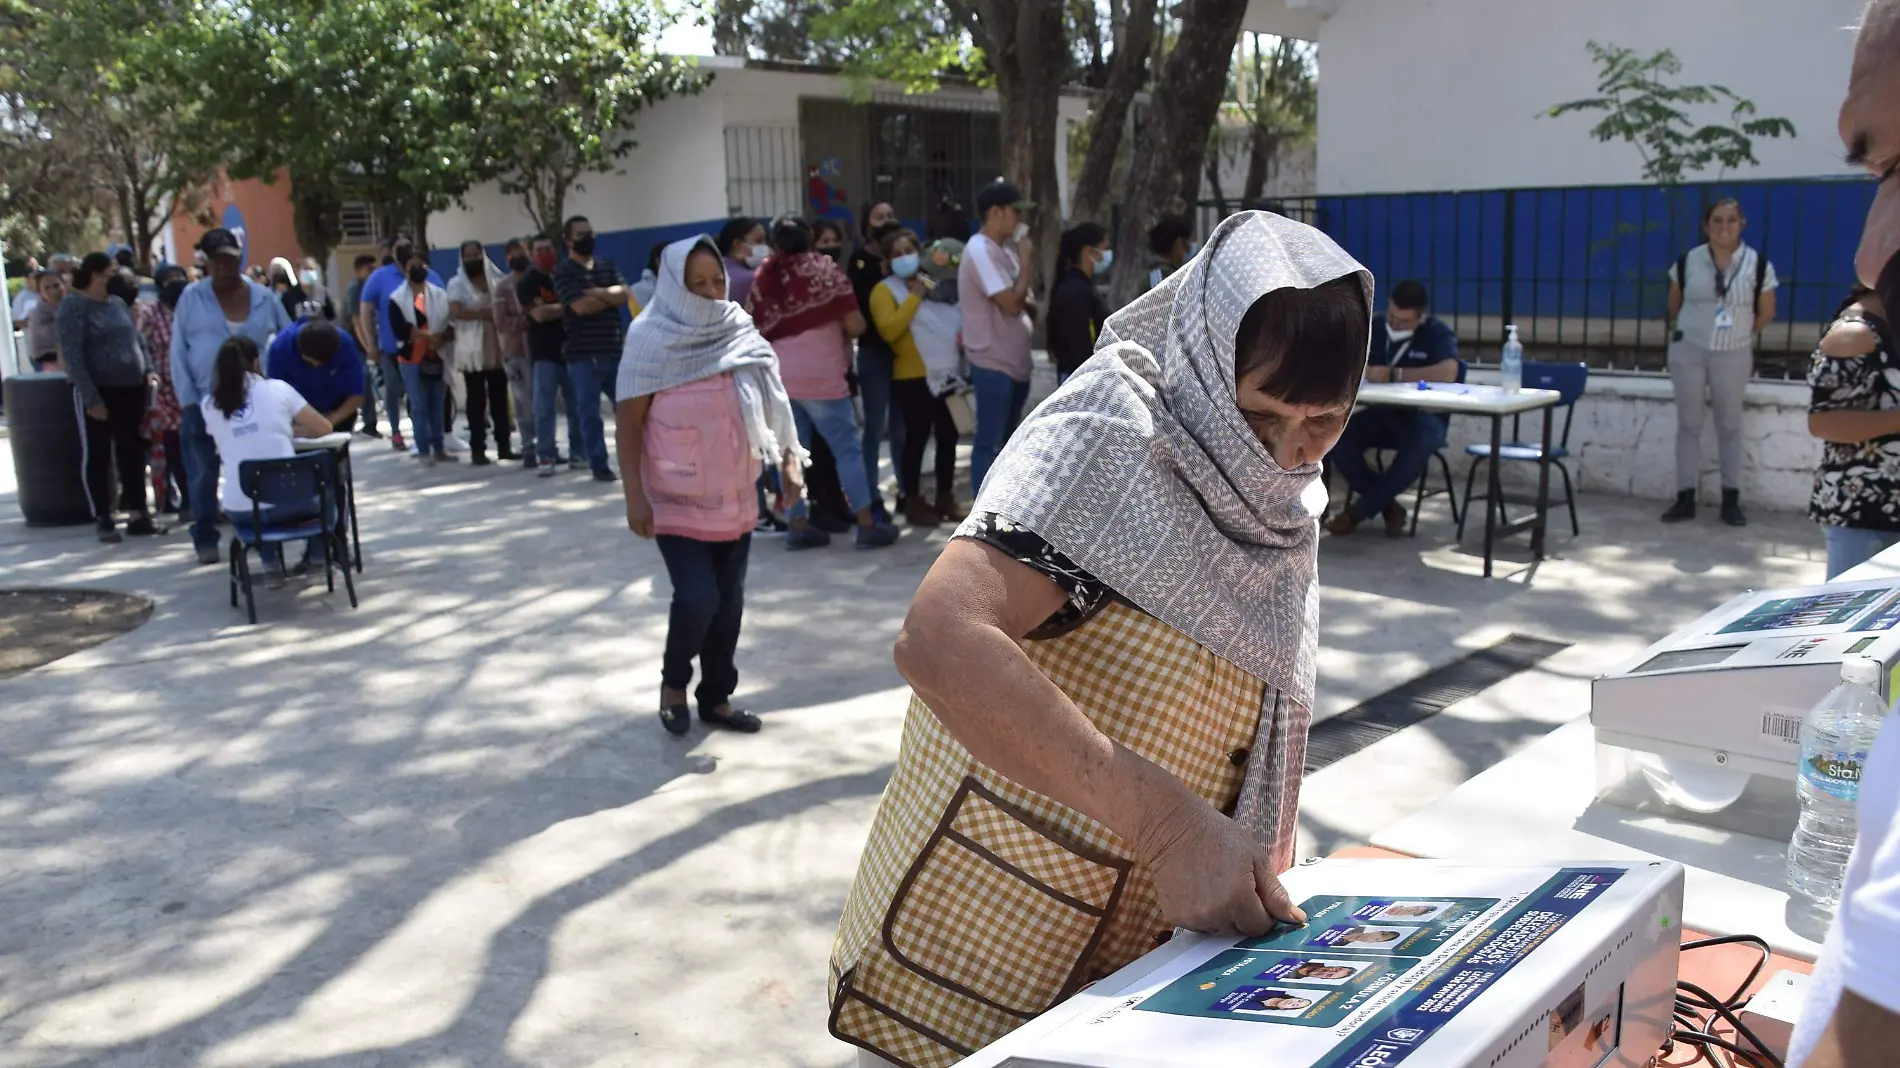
(451, 443)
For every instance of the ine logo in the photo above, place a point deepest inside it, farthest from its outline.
(1405, 1034)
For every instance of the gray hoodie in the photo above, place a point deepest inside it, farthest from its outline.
(99, 345)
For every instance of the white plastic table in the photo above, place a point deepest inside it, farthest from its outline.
(1459, 398)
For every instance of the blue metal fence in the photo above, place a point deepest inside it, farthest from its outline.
(1585, 269)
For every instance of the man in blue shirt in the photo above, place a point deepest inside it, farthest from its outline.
(223, 305)
(323, 365)
(373, 321)
(1408, 345)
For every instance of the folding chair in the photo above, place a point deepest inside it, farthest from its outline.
(1568, 379)
(299, 494)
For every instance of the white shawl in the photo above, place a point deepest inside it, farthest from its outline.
(435, 304)
(682, 337)
(471, 333)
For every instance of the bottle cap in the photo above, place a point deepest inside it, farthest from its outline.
(1863, 670)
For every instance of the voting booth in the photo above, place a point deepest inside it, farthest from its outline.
(1425, 964)
(1705, 725)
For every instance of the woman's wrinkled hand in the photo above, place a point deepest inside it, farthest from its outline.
(1210, 875)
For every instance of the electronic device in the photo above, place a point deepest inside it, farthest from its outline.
(1419, 963)
(1705, 724)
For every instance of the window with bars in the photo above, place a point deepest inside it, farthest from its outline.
(764, 173)
(919, 154)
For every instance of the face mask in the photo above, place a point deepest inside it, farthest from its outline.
(836, 253)
(309, 278)
(169, 293)
(1397, 336)
(418, 274)
(518, 264)
(544, 259)
(1107, 260)
(905, 266)
(1022, 231)
(884, 230)
(757, 255)
(584, 245)
(472, 268)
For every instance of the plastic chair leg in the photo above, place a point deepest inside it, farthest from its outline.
(231, 572)
(349, 583)
(244, 577)
(1471, 481)
(1451, 487)
(1570, 498)
(329, 561)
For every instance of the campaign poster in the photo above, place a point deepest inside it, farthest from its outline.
(1814, 610)
(1398, 926)
(1302, 991)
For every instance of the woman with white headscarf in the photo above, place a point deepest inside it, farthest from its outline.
(700, 407)
(1113, 661)
(478, 352)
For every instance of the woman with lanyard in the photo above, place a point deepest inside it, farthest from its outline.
(1721, 294)
(1113, 661)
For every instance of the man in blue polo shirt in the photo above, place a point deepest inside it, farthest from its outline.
(373, 321)
(323, 365)
(1408, 345)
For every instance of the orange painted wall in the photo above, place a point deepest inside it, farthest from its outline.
(268, 220)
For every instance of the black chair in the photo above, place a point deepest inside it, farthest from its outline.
(292, 500)
(1568, 379)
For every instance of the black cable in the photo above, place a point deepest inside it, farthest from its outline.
(1697, 1012)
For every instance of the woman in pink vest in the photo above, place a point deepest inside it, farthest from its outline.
(700, 406)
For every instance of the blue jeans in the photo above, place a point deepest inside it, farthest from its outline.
(267, 552)
(583, 385)
(393, 398)
(550, 378)
(999, 408)
(425, 413)
(1414, 436)
(372, 384)
(836, 422)
(1849, 547)
(201, 476)
(607, 374)
(708, 607)
(876, 365)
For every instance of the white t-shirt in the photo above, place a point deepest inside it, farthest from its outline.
(261, 430)
(1702, 302)
(1863, 947)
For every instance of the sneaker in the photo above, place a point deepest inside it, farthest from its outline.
(429, 461)
(396, 442)
(548, 471)
(369, 432)
(443, 456)
(575, 463)
(605, 475)
(806, 537)
(877, 536)
(454, 444)
(529, 463)
(207, 555)
(109, 533)
(142, 526)
(558, 460)
(506, 455)
(770, 526)
(480, 459)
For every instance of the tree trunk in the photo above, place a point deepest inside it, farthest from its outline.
(1173, 141)
(1126, 71)
(1265, 146)
(1027, 50)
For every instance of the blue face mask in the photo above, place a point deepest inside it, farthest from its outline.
(905, 266)
(1107, 260)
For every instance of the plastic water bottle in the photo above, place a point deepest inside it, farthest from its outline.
(1836, 736)
(1511, 365)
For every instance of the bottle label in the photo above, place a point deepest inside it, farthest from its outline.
(1834, 774)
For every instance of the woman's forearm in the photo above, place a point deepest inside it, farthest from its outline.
(1013, 719)
(1853, 428)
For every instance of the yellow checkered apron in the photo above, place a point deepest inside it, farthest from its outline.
(978, 903)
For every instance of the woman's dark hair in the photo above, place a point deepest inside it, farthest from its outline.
(1075, 239)
(237, 357)
(1854, 296)
(1717, 205)
(733, 232)
(513, 244)
(1166, 231)
(480, 249)
(791, 234)
(864, 217)
(95, 263)
(654, 254)
(891, 239)
(1313, 340)
(821, 227)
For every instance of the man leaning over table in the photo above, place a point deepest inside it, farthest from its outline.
(1852, 1018)
(1408, 345)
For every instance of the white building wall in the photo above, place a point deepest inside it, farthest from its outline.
(1418, 95)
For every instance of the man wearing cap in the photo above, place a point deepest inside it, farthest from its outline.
(993, 296)
(1852, 1016)
(224, 305)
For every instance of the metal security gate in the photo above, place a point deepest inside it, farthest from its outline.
(764, 173)
(919, 155)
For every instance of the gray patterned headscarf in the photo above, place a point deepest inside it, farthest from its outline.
(1142, 470)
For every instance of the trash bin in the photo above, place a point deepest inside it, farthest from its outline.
(48, 452)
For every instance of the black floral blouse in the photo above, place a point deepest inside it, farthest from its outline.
(1087, 594)
(1858, 485)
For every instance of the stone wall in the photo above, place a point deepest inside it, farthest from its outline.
(1623, 441)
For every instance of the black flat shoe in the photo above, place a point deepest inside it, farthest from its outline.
(676, 720)
(733, 720)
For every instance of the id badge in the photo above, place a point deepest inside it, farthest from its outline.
(1725, 319)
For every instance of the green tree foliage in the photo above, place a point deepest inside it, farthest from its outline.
(1639, 106)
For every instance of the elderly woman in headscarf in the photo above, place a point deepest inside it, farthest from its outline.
(700, 408)
(1113, 661)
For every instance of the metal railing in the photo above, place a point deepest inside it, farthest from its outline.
(1583, 271)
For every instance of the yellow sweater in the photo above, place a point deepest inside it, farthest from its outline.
(893, 325)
